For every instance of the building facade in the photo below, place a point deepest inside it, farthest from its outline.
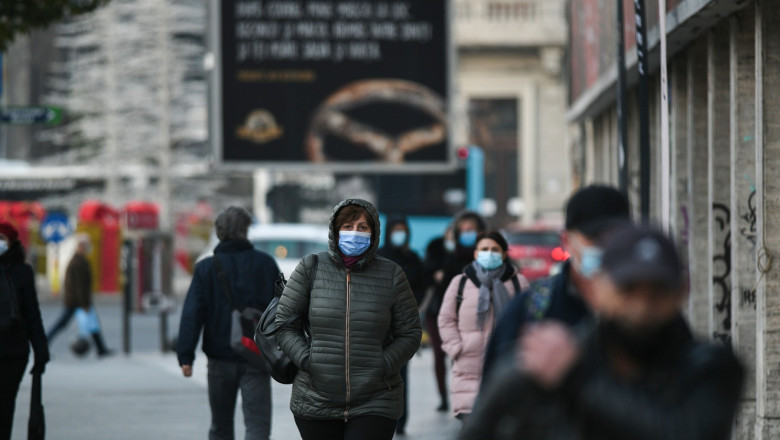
(511, 100)
(724, 146)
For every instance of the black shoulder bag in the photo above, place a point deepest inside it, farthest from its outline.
(278, 364)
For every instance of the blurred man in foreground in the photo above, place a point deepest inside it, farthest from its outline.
(638, 374)
(591, 213)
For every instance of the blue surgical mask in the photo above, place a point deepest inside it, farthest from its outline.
(468, 238)
(3, 247)
(590, 261)
(489, 260)
(398, 238)
(354, 243)
(449, 245)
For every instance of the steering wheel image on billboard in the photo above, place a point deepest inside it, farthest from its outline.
(339, 85)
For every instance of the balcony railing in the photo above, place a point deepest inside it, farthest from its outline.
(510, 22)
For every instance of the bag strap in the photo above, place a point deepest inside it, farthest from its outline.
(462, 285)
(292, 318)
(35, 392)
(223, 279)
(516, 284)
(459, 298)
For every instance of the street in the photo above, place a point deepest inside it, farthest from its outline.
(144, 395)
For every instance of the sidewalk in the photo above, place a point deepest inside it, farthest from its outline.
(144, 396)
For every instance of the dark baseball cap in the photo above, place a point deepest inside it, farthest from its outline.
(636, 254)
(595, 208)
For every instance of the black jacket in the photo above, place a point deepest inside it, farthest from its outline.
(406, 258)
(454, 262)
(16, 344)
(689, 391)
(552, 298)
(251, 275)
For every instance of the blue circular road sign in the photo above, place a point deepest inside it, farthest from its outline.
(55, 227)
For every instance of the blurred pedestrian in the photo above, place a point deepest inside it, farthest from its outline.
(467, 316)
(638, 374)
(436, 252)
(465, 228)
(396, 249)
(251, 275)
(26, 328)
(363, 327)
(77, 298)
(590, 213)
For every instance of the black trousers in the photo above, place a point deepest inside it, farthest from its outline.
(439, 366)
(64, 319)
(359, 428)
(225, 379)
(11, 373)
(405, 376)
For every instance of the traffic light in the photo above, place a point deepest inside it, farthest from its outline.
(463, 153)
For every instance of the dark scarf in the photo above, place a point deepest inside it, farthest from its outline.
(648, 345)
(350, 261)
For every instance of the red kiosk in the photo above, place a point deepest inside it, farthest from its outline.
(101, 222)
(147, 264)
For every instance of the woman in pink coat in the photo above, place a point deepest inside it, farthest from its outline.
(466, 321)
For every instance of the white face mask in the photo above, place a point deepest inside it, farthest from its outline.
(3, 247)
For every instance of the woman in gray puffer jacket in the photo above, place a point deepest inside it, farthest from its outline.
(364, 327)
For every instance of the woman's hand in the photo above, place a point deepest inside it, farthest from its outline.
(186, 370)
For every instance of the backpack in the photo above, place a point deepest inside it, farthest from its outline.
(538, 300)
(279, 365)
(242, 324)
(10, 314)
(462, 285)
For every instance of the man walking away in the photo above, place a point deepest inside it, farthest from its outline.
(638, 374)
(78, 295)
(251, 275)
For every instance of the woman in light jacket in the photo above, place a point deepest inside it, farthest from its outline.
(364, 327)
(465, 323)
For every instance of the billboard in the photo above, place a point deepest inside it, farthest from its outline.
(341, 85)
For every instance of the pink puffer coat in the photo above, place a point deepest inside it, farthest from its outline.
(463, 340)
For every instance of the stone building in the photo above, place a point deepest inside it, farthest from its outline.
(724, 145)
(511, 100)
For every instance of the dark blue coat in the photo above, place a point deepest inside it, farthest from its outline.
(552, 298)
(251, 274)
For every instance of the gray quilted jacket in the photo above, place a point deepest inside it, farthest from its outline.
(364, 328)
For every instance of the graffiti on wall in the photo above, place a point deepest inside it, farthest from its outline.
(721, 264)
(748, 225)
(748, 231)
(748, 298)
(686, 226)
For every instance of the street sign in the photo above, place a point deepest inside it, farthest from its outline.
(30, 115)
(55, 227)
